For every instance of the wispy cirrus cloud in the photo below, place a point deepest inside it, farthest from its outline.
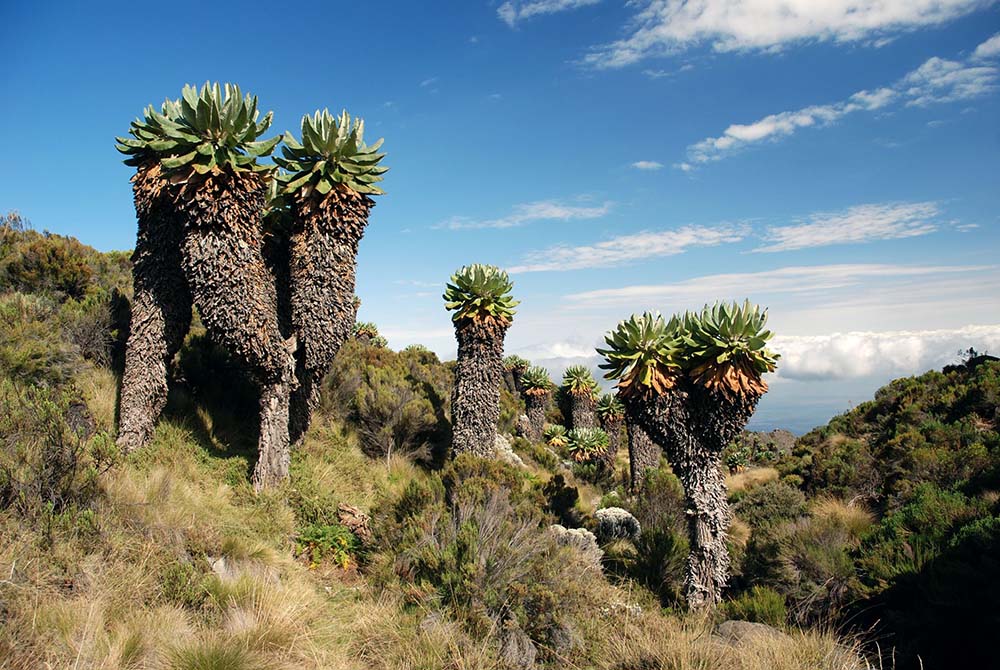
(936, 81)
(647, 165)
(788, 280)
(862, 223)
(628, 248)
(515, 11)
(531, 212)
(670, 26)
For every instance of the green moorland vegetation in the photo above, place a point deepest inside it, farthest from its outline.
(875, 537)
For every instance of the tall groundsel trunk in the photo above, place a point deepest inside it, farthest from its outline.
(612, 425)
(236, 297)
(161, 309)
(582, 406)
(694, 425)
(643, 454)
(323, 264)
(536, 403)
(475, 401)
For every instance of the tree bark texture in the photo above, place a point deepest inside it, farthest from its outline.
(323, 264)
(236, 297)
(695, 425)
(582, 406)
(612, 425)
(643, 454)
(475, 400)
(161, 310)
(536, 405)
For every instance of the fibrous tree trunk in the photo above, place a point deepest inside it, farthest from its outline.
(612, 425)
(161, 310)
(475, 400)
(695, 425)
(236, 297)
(643, 454)
(582, 407)
(323, 263)
(537, 404)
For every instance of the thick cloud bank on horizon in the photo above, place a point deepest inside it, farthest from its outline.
(888, 354)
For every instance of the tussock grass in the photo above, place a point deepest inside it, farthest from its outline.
(741, 481)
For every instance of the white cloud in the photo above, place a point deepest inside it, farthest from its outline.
(937, 81)
(542, 210)
(647, 165)
(807, 279)
(670, 26)
(988, 49)
(940, 80)
(517, 10)
(862, 223)
(627, 248)
(886, 354)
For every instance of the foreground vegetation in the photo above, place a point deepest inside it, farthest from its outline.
(165, 557)
(881, 528)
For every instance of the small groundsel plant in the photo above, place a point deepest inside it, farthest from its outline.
(586, 444)
(335, 542)
(555, 435)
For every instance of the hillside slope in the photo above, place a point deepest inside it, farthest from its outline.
(166, 558)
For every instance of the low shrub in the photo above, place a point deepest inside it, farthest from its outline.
(760, 605)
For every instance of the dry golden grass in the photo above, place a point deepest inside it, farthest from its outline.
(111, 600)
(747, 479)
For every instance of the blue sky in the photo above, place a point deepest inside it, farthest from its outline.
(835, 161)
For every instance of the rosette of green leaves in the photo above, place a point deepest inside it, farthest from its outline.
(643, 353)
(586, 444)
(205, 130)
(535, 380)
(332, 152)
(578, 380)
(555, 435)
(516, 363)
(609, 406)
(365, 329)
(728, 332)
(480, 292)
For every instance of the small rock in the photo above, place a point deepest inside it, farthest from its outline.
(615, 523)
(735, 632)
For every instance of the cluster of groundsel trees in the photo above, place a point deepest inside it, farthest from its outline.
(692, 382)
(688, 384)
(266, 255)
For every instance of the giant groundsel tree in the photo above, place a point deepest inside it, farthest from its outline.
(480, 297)
(207, 144)
(580, 389)
(161, 303)
(326, 188)
(537, 389)
(692, 383)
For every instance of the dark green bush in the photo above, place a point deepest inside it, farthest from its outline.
(770, 503)
(473, 544)
(760, 605)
